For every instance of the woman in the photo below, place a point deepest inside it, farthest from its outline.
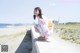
(42, 23)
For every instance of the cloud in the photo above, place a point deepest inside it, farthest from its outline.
(52, 4)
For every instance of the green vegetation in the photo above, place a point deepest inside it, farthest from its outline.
(69, 32)
(68, 26)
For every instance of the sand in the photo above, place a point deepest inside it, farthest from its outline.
(17, 38)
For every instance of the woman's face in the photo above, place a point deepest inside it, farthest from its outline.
(36, 12)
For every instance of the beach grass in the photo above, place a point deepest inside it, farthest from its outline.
(68, 26)
(69, 32)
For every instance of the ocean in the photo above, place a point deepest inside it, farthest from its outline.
(9, 25)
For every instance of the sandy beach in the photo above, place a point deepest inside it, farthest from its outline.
(17, 38)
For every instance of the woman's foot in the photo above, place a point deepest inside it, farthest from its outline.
(40, 38)
(43, 38)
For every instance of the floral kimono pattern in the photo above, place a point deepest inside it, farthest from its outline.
(42, 26)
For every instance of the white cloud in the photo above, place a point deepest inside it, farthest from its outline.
(52, 4)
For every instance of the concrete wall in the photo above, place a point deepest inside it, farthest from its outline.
(38, 46)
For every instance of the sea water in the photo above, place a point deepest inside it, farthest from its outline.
(9, 25)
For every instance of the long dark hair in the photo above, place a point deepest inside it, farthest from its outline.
(40, 12)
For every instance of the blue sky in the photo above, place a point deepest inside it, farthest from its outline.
(21, 11)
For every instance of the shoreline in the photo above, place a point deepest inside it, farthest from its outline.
(13, 30)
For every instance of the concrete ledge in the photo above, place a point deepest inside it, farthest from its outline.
(38, 46)
(34, 45)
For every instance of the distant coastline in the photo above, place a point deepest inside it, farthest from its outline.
(3, 25)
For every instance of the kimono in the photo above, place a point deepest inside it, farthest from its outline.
(41, 25)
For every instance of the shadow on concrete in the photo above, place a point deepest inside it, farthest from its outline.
(26, 44)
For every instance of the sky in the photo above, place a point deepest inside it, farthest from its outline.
(21, 11)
